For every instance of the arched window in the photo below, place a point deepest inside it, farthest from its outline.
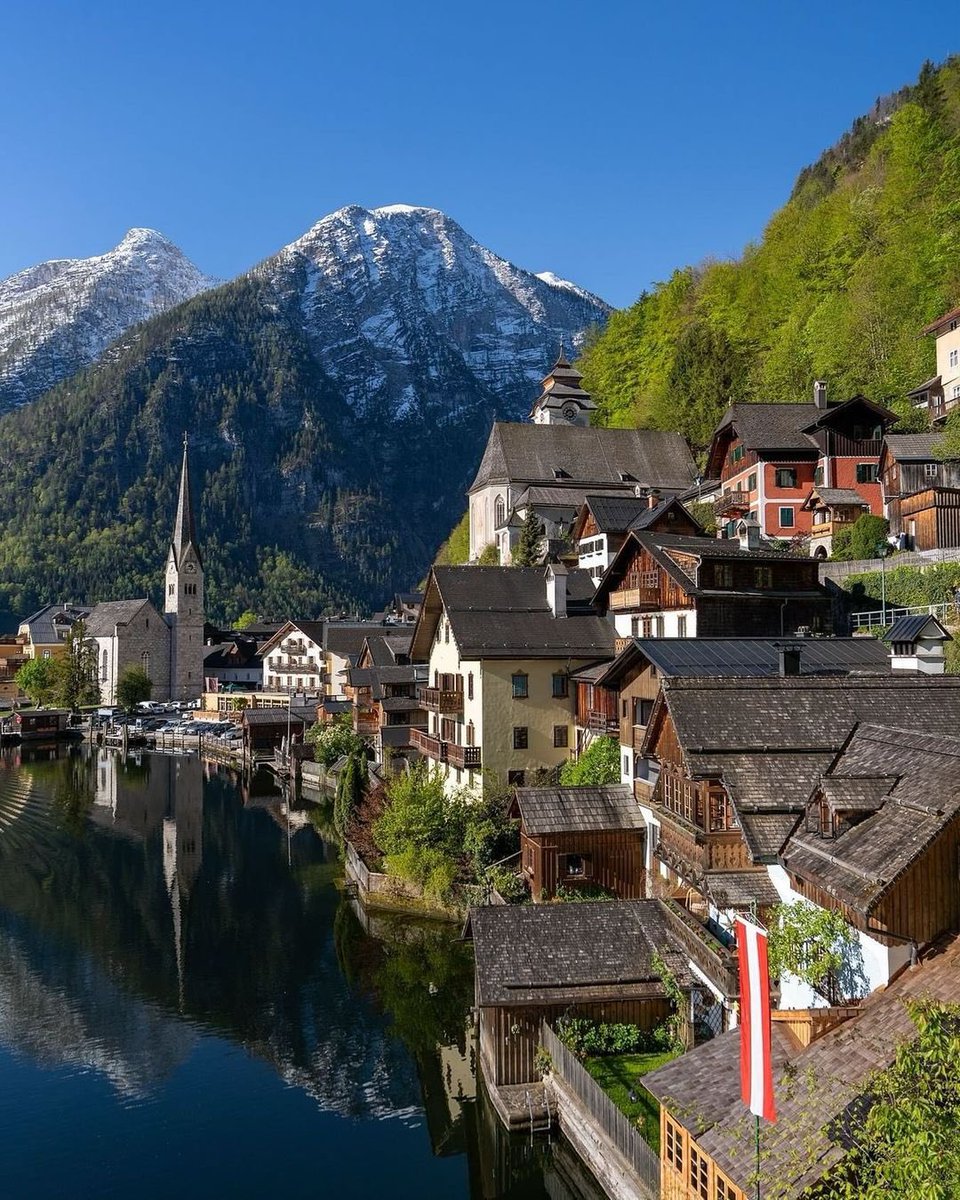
(499, 512)
(145, 663)
(104, 664)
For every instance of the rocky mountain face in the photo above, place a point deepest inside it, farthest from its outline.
(60, 316)
(338, 398)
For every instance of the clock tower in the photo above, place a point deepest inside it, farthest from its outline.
(183, 597)
(562, 401)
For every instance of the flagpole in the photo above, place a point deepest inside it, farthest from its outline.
(758, 1158)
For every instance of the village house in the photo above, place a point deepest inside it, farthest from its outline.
(343, 643)
(831, 509)
(921, 492)
(667, 585)
(12, 658)
(603, 522)
(293, 659)
(553, 463)
(767, 457)
(233, 664)
(500, 644)
(736, 763)
(939, 396)
(578, 838)
(44, 633)
(822, 1063)
(266, 729)
(383, 687)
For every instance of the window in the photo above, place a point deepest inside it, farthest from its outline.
(561, 736)
(763, 576)
(674, 1146)
(499, 512)
(561, 686)
(786, 518)
(954, 358)
(737, 454)
(930, 470)
(516, 778)
(681, 626)
(470, 686)
(470, 734)
(634, 626)
(818, 477)
(520, 737)
(752, 482)
(520, 683)
(647, 626)
(575, 866)
(446, 631)
(104, 665)
(723, 1189)
(626, 764)
(786, 477)
(955, 393)
(867, 472)
(699, 1174)
(658, 627)
(723, 575)
(642, 711)
(867, 433)
(145, 662)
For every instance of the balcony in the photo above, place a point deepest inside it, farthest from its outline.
(601, 722)
(429, 746)
(640, 591)
(440, 700)
(732, 502)
(467, 758)
(365, 723)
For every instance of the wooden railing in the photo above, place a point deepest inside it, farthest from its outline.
(601, 722)
(443, 700)
(635, 597)
(730, 501)
(615, 1125)
(465, 757)
(713, 958)
(432, 747)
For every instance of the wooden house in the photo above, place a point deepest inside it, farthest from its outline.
(665, 585)
(42, 724)
(383, 688)
(265, 730)
(540, 962)
(831, 509)
(937, 397)
(768, 457)
(581, 837)
(822, 1066)
(921, 492)
(603, 522)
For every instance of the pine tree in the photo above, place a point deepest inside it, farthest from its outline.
(529, 549)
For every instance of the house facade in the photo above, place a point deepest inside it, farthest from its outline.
(293, 659)
(384, 690)
(921, 491)
(939, 396)
(603, 523)
(500, 645)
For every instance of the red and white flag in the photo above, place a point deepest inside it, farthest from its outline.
(756, 1062)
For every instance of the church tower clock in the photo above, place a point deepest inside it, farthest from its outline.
(183, 597)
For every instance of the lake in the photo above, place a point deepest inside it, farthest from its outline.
(191, 1005)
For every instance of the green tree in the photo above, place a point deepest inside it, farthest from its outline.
(489, 556)
(868, 537)
(133, 687)
(247, 618)
(331, 742)
(598, 765)
(351, 788)
(811, 943)
(456, 549)
(39, 679)
(906, 1139)
(528, 551)
(76, 671)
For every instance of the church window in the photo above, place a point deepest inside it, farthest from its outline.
(500, 512)
(145, 662)
(104, 665)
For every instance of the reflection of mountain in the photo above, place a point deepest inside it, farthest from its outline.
(63, 1010)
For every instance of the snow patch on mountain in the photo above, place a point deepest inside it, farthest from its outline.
(59, 316)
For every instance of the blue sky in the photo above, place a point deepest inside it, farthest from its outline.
(609, 142)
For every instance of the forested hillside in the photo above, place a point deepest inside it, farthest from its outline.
(864, 253)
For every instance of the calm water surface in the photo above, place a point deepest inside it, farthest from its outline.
(190, 1006)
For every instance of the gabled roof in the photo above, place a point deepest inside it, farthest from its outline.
(932, 382)
(766, 427)
(814, 1086)
(51, 623)
(563, 953)
(911, 629)
(104, 618)
(912, 447)
(827, 416)
(313, 630)
(346, 640)
(934, 326)
(502, 612)
(599, 458)
(835, 498)
(577, 809)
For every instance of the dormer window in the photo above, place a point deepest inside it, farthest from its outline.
(626, 477)
(560, 473)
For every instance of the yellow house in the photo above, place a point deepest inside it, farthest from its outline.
(501, 644)
(44, 633)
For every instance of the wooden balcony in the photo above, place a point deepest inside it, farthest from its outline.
(683, 845)
(365, 723)
(440, 700)
(429, 746)
(732, 502)
(715, 960)
(467, 758)
(633, 598)
(601, 722)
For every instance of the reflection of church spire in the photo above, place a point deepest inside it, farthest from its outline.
(182, 851)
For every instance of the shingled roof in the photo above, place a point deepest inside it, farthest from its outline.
(916, 447)
(565, 953)
(915, 795)
(772, 426)
(813, 1086)
(523, 453)
(104, 618)
(576, 809)
(503, 612)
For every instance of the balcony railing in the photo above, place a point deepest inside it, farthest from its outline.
(464, 757)
(467, 758)
(431, 746)
(441, 700)
(732, 502)
(601, 722)
(647, 595)
(365, 723)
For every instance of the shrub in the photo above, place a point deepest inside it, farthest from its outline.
(598, 765)
(600, 1038)
(331, 742)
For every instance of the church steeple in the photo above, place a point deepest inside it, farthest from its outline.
(184, 532)
(562, 401)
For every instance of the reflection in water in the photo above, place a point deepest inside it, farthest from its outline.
(151, 909)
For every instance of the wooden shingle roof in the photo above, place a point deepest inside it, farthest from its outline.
(576, 809)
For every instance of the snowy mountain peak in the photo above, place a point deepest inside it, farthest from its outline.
(59, 316)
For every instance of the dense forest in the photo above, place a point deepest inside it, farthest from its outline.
(864, 253)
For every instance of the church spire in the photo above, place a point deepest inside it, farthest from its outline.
(184, 533)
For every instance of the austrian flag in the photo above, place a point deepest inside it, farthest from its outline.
(756, 1063)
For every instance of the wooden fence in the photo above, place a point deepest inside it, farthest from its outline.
(615, 1125)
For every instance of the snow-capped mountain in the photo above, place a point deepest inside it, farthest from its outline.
(394, 298)
(58, 317)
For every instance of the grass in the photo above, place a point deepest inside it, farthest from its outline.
(621, 1074)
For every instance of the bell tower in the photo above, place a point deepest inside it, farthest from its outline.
(183, 597)
(562, 401)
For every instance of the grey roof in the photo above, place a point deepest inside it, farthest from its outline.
(274, 716)
(839, 496)
(562, 953)
(184, 531)
(613, 513)
(576, 809)
(814, 1086)
(915, 446)
(933, 381)
(772, 426)
(53, 622)
(740, 889)
(750, 657)
(915, 795)
(503, 612)
(541, 495)
(525, 453)
(347, 640)
(104, 618)
(909, 629)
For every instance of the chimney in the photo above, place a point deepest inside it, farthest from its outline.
(748, 531)
(788, 656)
(653, 498)
(556, 576)
(820, 393)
